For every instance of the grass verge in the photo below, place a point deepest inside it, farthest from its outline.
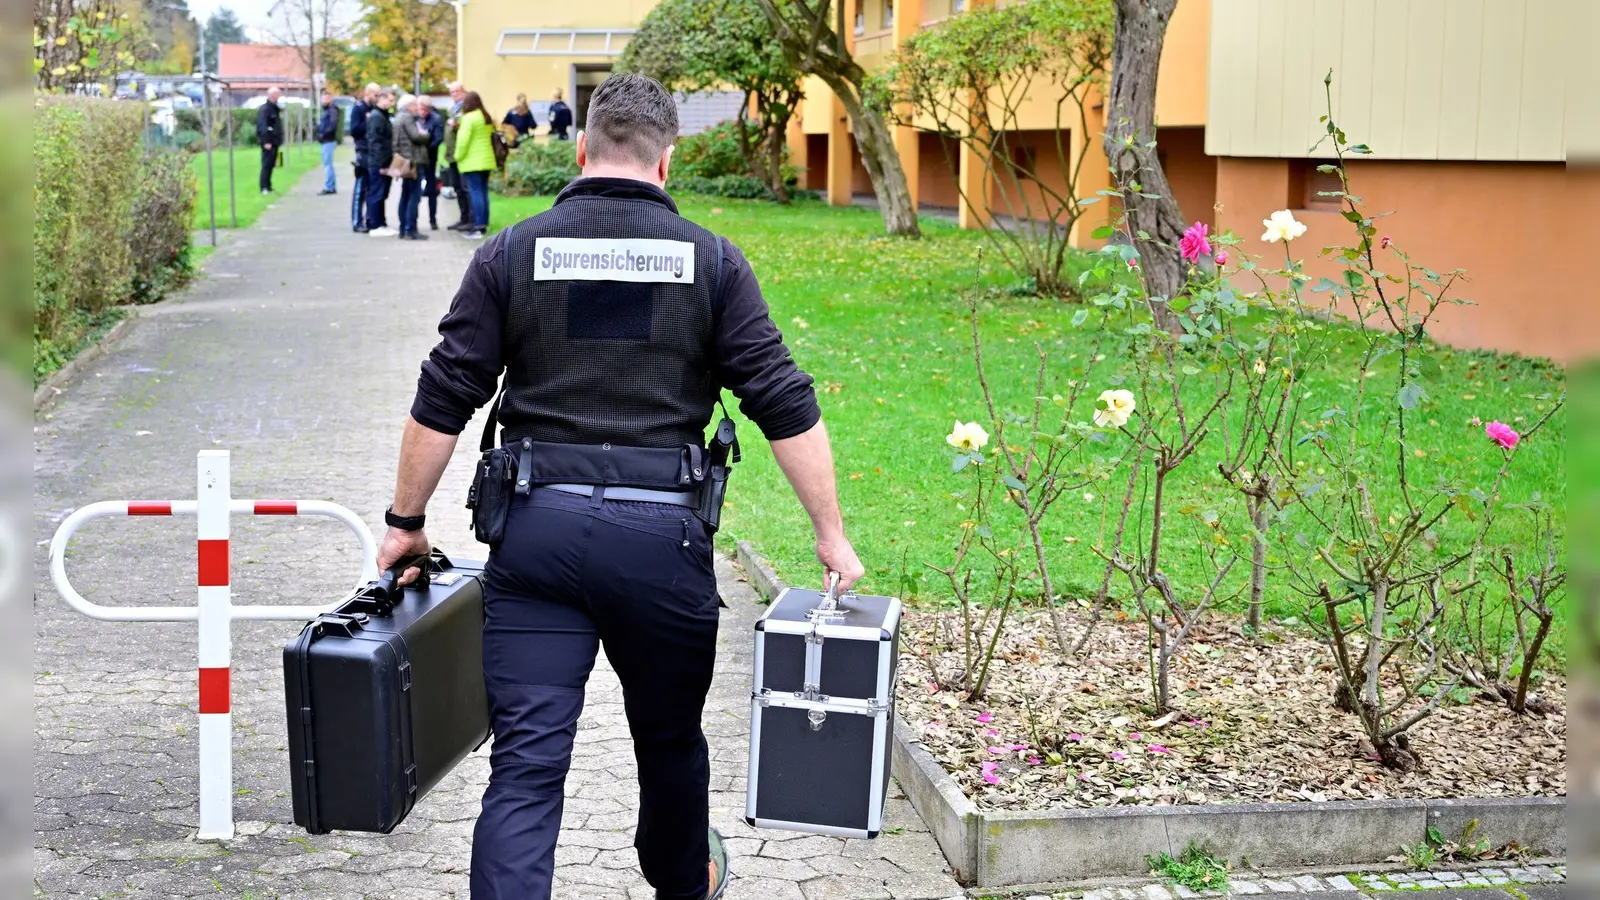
(882, 325)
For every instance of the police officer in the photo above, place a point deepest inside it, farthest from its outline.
(616, 323)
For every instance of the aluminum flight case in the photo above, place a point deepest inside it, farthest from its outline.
(822, 713)
(384, 697)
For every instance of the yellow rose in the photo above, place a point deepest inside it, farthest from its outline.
(1282, 227)
(968, 436)
(1113, 408)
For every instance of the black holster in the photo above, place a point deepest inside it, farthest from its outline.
(720, 456)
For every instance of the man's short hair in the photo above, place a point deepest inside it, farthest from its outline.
(386, 92)
(454, 86)
(373, 86)
(631, 117)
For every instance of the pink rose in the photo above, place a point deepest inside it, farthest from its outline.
(1133, 262)
(1194, 244)
(989, 769)
(1384, 244)
(1502, 434)
(1221, 257)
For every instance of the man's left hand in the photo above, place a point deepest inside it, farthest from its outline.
(398, 545)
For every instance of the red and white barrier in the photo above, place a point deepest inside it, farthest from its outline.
(214, 613)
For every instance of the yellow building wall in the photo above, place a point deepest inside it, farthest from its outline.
(1414, 79)
(500, 78)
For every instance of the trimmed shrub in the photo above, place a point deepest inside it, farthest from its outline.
(159, 239)
(741, 187)
(110, 223)
(540, 168)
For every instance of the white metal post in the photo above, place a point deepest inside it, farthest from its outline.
(213, 502)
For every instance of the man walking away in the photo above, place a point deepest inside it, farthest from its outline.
(560, 116)
(630, 368)
(328, 137)
(380, 151)
(358, 136)
(269, 134)
(458, 96)
(411, 143)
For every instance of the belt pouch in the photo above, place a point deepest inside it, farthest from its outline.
(490, 495)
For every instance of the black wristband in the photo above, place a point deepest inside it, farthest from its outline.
(404, 523)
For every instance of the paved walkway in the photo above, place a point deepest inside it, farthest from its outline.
(298, 353)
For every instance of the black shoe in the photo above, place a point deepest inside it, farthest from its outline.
(325, 192)
(415, 236)
(461, 226)
(361, 229)
(433, 225)
(717, 869)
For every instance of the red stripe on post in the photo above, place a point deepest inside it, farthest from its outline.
(214, 563)
(214, 692)
(277, 508)
(148, 508)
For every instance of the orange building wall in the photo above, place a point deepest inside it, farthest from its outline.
(1513, 226)
(1192, 174)
(937, 178)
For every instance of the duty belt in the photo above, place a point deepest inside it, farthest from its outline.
(640, 495)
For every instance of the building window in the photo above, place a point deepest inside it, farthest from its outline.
(958, 6)
(1308, 187)
(888, 13)
(861, 22)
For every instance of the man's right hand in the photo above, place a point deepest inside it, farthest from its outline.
(836, 555)
(266, 146)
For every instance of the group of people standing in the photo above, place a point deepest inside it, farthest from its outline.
(402, 137)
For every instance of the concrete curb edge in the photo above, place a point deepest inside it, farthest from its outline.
(52, 388)
(1004, 849)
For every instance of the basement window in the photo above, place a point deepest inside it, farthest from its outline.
(861, 22)
(1308, 187)
(888, 13)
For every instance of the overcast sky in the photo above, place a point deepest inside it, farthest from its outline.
(254, 14)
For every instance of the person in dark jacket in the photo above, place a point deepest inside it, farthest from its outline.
(560, 116)
(328, 137)
(358, 135)
(521, 118)
(380, 151)
(269, 134)
(429, 119)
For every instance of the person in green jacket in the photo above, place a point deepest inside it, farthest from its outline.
(475, 160)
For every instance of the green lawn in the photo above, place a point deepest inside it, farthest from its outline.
(248, 201)
(881, 324)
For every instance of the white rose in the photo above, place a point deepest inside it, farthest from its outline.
(967, 436)
(1282, 227)
(1113, 408)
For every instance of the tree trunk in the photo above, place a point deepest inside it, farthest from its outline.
(880, 159)
(1130, 125)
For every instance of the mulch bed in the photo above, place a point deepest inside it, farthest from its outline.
(1257, 725)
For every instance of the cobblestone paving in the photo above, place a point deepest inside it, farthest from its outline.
(297, 352)
(1532, 881)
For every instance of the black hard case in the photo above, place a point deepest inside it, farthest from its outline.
(828, 777)
(384, 701)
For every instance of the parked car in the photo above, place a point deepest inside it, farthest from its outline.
(285, 100)
(162, 115)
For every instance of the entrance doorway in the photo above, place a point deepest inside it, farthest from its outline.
(585, 78)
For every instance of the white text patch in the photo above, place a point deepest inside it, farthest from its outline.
(606, 259)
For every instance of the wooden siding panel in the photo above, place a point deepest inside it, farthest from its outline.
(1543, 108)
(1230, 125)
(1353, 77)
(1461, 79)
(1389, 49)
(1500, 79)
(1326, 45)
(1271, 61)
(1419, 135)
(1302, 87)
(1414, 79)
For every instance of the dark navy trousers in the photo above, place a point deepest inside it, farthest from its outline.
(573, 575)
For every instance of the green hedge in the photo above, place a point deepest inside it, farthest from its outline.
(110, 219)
